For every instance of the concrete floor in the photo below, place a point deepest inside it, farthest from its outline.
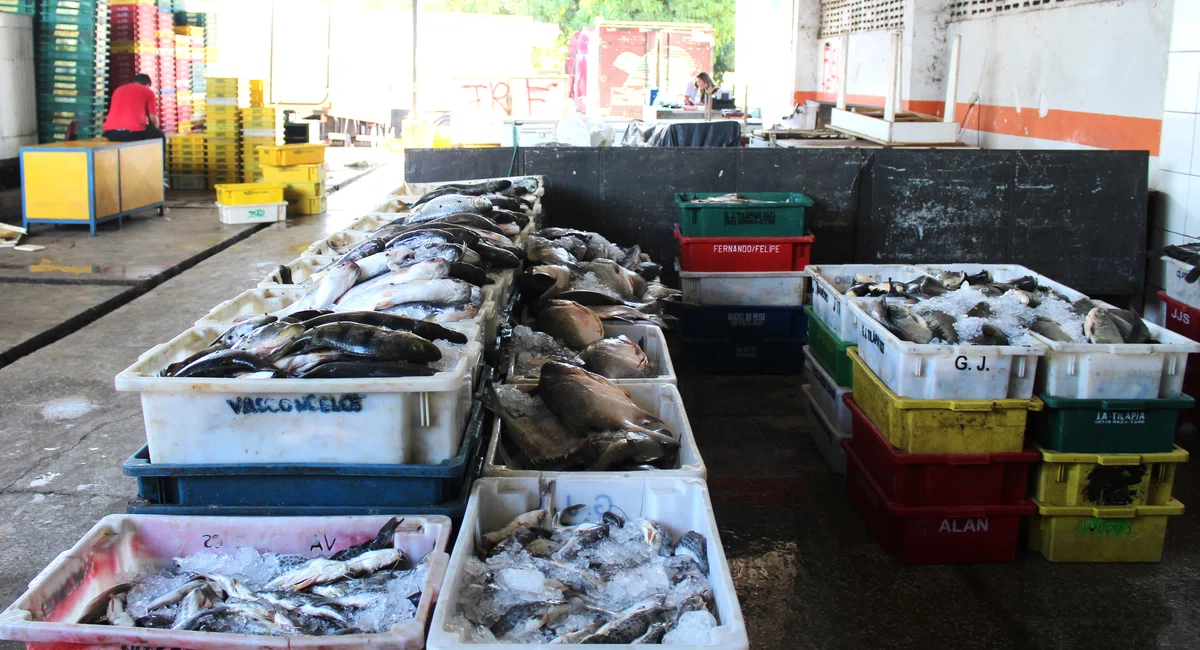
(807, 570)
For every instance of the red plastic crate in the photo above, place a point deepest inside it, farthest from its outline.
(1185, 319)
(934, 534)
(939, 479)
(744, 253)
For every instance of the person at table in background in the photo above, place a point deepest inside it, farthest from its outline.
(133, 113)
(691, 93)
(707, 87)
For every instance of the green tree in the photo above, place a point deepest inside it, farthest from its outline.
(573, 15)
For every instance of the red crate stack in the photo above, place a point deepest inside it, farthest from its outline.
(164, 37)
(131, 34)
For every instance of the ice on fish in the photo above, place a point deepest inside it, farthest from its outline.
(532, 349)
(695, 628)
(589, 282)
(1009, 314)
(451, 353)
(526, 580)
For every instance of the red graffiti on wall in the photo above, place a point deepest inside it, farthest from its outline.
(829, 68)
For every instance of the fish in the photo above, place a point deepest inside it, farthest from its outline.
(1082, 307)
(990, 335)
(335, 283)
(528, 617)
(526, 519)
(470, 220)
(693, 545)
(542, 251)
(368, 341)
(301, 364)
(627, 314)
(270, 339)
(281, 275)
(383, 539)
(450, 204)
(541, 436)
(316, 572)
(431, 331)
(1131, 326)
(434, 312)
(572, 323)
(657, 539)
(616, 358)
(466, 189)
(373, 561)
(928, 287)
(980, 310)
(373, 266)
(498, 257)
(617, 278)
(1051, 330)
(588, 401)
(116, 614)
(628, 626)
(469, 273)
(905, 324)
(383, 295)
(223, 363)
(545, 281)
(243, 327)
(942, 326)
(363, 369)
(1100, 328)
(173, 369)
(362, 250)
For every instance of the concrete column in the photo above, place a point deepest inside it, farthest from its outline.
(926, 54)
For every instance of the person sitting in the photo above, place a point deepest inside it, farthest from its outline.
(132, 113)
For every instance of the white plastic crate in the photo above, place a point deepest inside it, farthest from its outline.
(1125, 371)
(660, 400)
(763, 289)
(119, 545)
(386, 421)
(828, 394)
(678, 504)
(396, 203)
(272, 299)
(372, 221)
(831, 282)
(302, 268)
(944, 371)
(340, 240)
(825, 434)
(257, 213)
(1186, 292)
(649, 337)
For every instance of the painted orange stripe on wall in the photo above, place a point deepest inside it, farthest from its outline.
(1077, 127)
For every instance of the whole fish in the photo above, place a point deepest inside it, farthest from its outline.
(1051, 330)
(470, 273)
(431, 331)
(243, 327)
(540, 250)
(435, 312)
(588, 401)
(626, 627)
(335, 283)
(1131, 326)
(385, 538)
(572, 323)
(628, 314)
(422, 237)
(224, 363)
(467, 189)
(300, 364)
(373, 266)
(545, 281)
(537, 432)
(361, 250)
(1100, 328)
(942, 326)
(611, 275)
(469, 220)
(270, 339)
(616, 358)
(367, 341)
(537, 517)
(383, 296)
(360, 368)
(450, 204)
(693, 545)
(990, 335)
(173, 369)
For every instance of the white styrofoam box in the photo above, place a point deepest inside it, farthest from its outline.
(649, 337)
(828, 394)
(1179, 288)
(1124, 371)
(395, 203)
(121, 545)
(256, 213)
(762, 289)
(388, 421)
(678, 504)
(826, 435)
(302, 269)
(830, 284)
(945, 371)
(329, 246)
(371, 221)
(271, 299)
(1006, 273)
(660, 400)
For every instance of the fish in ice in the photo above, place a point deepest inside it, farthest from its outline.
(616, 358)
(572, 323)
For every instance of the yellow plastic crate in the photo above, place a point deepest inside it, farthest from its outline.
(314, 205)
(134, 47)
(1068, 479)
(295, 173)
(249, 193)
(305, 190)
(227, 111)
(1086, 534)
(941, 426)
(292, 154)
(258, 113)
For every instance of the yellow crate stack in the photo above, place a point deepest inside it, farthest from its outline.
(224, 128)
(301, 169)
(187, 161)
(257, 93)
(258, 130)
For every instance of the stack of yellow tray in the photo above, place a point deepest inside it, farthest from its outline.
(258, 130)
(223, 123)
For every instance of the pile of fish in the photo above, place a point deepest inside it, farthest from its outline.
(365, 589)
(519, 195)
(427, 264)
(578, 284)
(319, 344)
(576, 419)
(955, 308)
(726, 198)
(554, 577)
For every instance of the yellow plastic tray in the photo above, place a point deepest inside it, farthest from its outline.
(1087, 534)
(958, 426)
(292, 154)
(305, 190)
(315, 205)
(295, 173)
(1068, 479)
(249, 193)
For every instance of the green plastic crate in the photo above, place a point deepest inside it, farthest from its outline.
(830, 351)
(779, 214)
(1108, 426)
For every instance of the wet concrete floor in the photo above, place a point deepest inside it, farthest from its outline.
(807, 570)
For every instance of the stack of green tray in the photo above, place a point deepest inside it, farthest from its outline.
(71, 61)
(17, 7)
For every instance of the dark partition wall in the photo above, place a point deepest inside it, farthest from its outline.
(1076, 216)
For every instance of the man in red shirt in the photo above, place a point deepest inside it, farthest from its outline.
(132, 113)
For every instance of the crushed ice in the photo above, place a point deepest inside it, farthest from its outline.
(451, 353)
(532, 349)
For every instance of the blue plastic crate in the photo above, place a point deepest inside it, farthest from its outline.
(728, 356)
(290, 485)
(710, 322)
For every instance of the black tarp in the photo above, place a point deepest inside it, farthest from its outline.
(726, 133)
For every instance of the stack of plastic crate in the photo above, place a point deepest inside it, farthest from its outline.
(132, 31)
(257, 93)
(301, 170)
(258, 130)
(23, 7)
(71, 60)
(164, 36)
(183, 82)
(223, 125)
(187, 161)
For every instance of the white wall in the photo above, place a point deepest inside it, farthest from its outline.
(866, 70)
(18, 114)
(765, 54)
